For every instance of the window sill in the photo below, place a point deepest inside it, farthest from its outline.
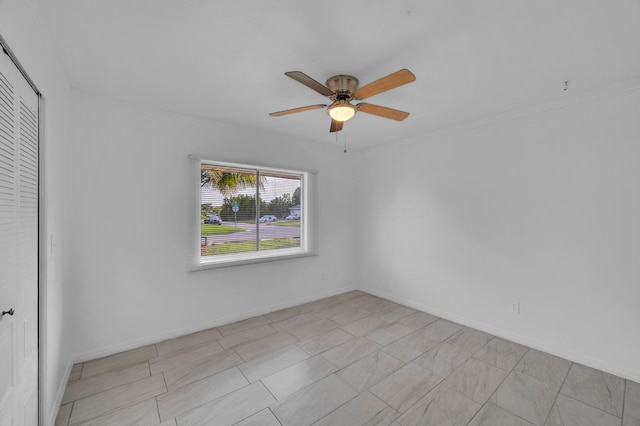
(227, 261)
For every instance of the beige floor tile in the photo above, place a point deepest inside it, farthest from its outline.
(569, 412)
(358, 302)
(427, 371)
(417, 320)
(313, 329)
(271, 363)
(298, 376)
(628, 420)
(526, 397)
(182, 356)
(243, 325)
(119, 360)
(352, 315)
(142, 414)
(334, 301)
(350, 351)
(264, 346)
(185, 398)
(64, 413)
(245, 336)
(632, 399)
(313, 402)
(199, 369)
(331, 312)
(384, 418)
(76, 371)
(410, 347)
(283, 314)
(546, 367)
(325, 341)
(380, 306)
(441, 407)
(368, 371)
(596, 388)
(103, 403)
(262, 418)
(389, 333)
(443, 359)
(231, 408)
(193, 339)
(397, 313)
(469, 340)
(440, 330)
(501, 353)
(104, 381)
(361, 410)
(476, 380)
(492, 415)
(364, 326)
(406, 386)
(295, 322)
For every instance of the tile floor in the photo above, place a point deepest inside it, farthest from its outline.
(351, 359)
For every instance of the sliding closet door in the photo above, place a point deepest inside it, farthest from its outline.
(18, 247)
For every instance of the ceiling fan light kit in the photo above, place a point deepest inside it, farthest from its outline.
(341, 110)
(342, 89)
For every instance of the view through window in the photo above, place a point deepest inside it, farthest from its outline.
(249, 212)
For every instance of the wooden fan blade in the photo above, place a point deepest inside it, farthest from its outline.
(389, 82)
(301, 77)
(294, 110)
(381, 111)
(336, 126)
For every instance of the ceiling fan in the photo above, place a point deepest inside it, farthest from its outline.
(342, 89)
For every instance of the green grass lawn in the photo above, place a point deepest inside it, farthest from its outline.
(295, 223)
(244, 246)
(210, 229)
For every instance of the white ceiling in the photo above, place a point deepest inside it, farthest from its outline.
(225, 59)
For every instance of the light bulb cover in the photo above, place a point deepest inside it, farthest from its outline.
(341, 111)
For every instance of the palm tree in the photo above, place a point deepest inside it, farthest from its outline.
(227, 182)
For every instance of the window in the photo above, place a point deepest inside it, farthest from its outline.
(251, 214)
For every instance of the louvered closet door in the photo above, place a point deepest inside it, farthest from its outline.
(18, 248)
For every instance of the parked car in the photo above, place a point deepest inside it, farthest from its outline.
(294, 216)
(213, 219)
(267, 218)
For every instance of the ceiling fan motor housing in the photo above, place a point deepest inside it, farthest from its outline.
(342, 86)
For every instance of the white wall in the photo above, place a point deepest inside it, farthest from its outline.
(543, 209)
(22, 27)
(132, 182)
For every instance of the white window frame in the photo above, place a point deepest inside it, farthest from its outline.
(307, 223)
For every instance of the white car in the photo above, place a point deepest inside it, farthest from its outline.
(293, 217)
(267, 218)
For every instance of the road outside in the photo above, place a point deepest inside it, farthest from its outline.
(268, 231)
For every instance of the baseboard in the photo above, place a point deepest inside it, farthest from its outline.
(580, 358)
(133, 344)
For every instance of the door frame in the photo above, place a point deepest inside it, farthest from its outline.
(41, 293)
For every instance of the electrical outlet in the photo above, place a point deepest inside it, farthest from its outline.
(515, 308)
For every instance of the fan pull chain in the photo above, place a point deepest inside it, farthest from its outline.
(345, 141)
